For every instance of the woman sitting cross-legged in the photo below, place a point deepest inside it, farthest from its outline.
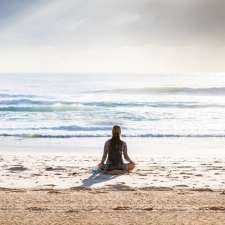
(113, 150)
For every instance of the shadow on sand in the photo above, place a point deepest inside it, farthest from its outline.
(98, 178)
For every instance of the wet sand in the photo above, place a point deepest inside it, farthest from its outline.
(112, 205)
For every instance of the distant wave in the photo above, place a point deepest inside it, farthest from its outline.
(62, 128)
(104, 135)
(167, 90)
(26, 101)
(13, 95)
(31, 103)
(60, 106)
(66, 108)
(156, 104)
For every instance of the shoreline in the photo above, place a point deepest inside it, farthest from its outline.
(163, 146)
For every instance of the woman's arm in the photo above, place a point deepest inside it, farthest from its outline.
(105, 152)
(125, 154)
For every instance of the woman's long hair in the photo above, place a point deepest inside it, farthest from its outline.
(116, 131)
(115, 147)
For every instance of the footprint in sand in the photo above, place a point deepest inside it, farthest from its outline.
(121, 208)
(214, 208)
(36, 209)
(17, 168)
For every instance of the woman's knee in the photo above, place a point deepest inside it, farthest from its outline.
(131, 166)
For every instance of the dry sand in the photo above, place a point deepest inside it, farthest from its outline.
(66, 171)
(112, 205)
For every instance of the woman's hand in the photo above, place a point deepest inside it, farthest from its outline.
(100, 165)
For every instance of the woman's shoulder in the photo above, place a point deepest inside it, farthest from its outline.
(123, 143)
(108, 141)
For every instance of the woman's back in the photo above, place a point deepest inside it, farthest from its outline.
(115, 151)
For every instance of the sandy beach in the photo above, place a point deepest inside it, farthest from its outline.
(40, 163)
(59, 188)
(112, 205)
(69, 171)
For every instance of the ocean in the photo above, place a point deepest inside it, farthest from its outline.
(88, 105)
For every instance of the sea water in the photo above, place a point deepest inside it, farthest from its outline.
(88, 105)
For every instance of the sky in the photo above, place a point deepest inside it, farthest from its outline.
(112, 36)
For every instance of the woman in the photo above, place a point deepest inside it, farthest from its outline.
(114, 148)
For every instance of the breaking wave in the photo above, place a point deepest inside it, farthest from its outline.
(107, 135)
(168, 90)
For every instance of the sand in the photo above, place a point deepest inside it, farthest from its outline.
(67, 171)
(60, 189)
(112, 205)
(182, 185)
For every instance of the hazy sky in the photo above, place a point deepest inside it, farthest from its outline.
(121, 36)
